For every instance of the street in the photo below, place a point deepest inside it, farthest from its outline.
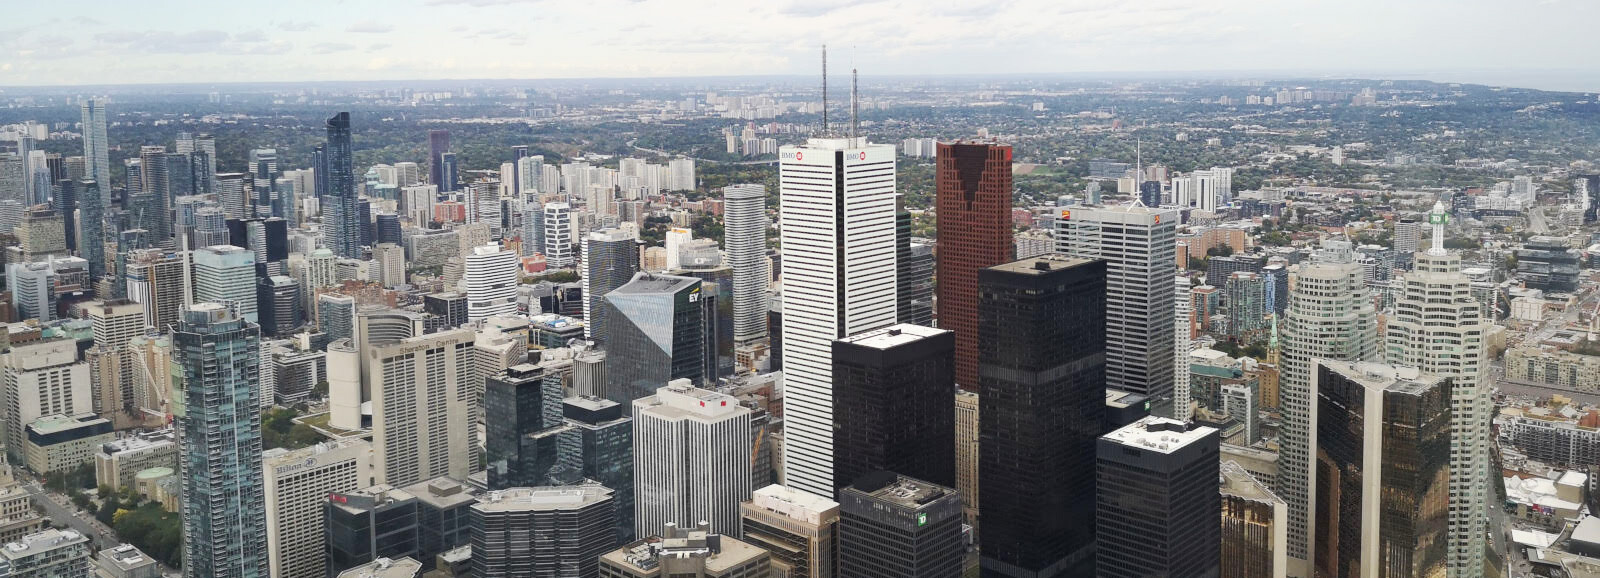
(61, 511)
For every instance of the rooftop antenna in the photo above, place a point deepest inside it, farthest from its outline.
(855, 107)
(1138, 162)
(824, 90)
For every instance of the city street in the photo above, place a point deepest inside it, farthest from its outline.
(61, 511)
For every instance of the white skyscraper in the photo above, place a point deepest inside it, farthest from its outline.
(1139, 245)
(297, 486)
(1437, 328)
(676, 237)
(682, 171)
(837, 203)
(558, 235)
(42, 378)
(1329, 317)
(1180, 348)
(1205, 190)
(491, 278)
(421, 402)
(691, 459)
(391, 261)
(97, 159)
(226, 274)
(745, 218)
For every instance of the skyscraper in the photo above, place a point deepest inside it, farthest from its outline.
(1383, 471)
(655, 334)
(1156, 501)
(224, 514)
(1329, 317)
(523, 422)
(116, 322)
(745, 216)
(543, 531)
(598, 445)
(894, 526)
(1254, 536)
(838, 236)
(558, 235)
(1183, 329)
(800, 530)
(278, 301)
(438, 144)
(95, 143)
(914, 268)
(421, 399)
(1042, 363)
(1139, 245)
(610, 258)
(491, 278)
(691, 459)
(152, 215)
(342, 220)
(973, 186)
(226, 274)
(297, 486)
(1437, 328)
(91, 227)
(893, 404)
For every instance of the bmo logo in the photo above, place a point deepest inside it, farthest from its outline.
(792, 155)
(863, 155)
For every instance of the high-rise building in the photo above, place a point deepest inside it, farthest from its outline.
(421, 399)
(1383, 470)
(558, 235)
(1437, 328)
(893, 526)
(278, 301)
(967, 451)
(152, 215)
(341, 214)
(391, 261)
(368, 524)
(745, 217)
(914, 268)
(974, 205)
(159, 281)
(42, 378)
(91, 227)
(1254, 536)
(799, 529)
(598, 445)
(1246, 296)
(543, 531)
(1156, 501)
(691, 459)
(522, 426)
(1329, 317)
(655, 333)
(491, 277)
(1182, 332)
(438, 145)
(443, 516)
(1042, 363)
(1139, 245)
(223, 506)
(336, 315)
(116, 322)
(298, 483)
(893, 406)
(226, 274)
(96, 151)
(837, 204)
(610, 258)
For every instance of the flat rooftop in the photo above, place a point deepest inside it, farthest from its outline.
(895, 489)
(1158, 434)
(542, 499)
(1236, 481)
(893, 336)
(385, 568)
(1041, 264)
(652, 283)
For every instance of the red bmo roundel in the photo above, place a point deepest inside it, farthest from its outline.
(863, 155)
(799, 155)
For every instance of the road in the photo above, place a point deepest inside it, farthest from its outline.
(1536, 224)
(61, 511)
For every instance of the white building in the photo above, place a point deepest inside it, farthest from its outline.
(417, 201)
(297, 486)
(43, 378)
(691, 459)
(391, 264)
(491, 278)
(1183, 326)
(226, 274)
(1205, 190)
(839, 282)
(745, 217)
(676, 237)
(558, 235)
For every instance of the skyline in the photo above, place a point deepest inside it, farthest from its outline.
(537, 39)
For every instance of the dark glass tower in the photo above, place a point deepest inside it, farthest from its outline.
(656, 327)
(91, 223)
(343, 223)
(893, 526)
(64, 202)
(1157, 503)
(438, 145)
(278, 305)
(894, 404)
(913, 272)
(598, 445)
(974, 202)
(1042, 366)
(362, 526)
(522, 413)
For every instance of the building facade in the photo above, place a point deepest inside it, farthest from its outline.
(973, 188)
(893, 404)
(1156, 502)
(691, 459)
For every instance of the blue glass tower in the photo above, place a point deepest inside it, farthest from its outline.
(224, 511)
(91, 212)
(343, 223)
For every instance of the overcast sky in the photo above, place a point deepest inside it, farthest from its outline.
(1538, 43)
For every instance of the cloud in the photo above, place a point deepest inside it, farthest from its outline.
(481, 3)
(296, 26)
(814, 8)
(378, 46)
(259, 48)
(162, 41)
(85, 21)
(370, 27)
(250, 36)
(330, 47)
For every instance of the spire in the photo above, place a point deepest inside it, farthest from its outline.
(855, 107)
(824, 90)
(1437, 218)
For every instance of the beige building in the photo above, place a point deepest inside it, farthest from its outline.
(1550, 366)
(798, 529)
(60, 442)
(1255, 531)
(297, 486)
(42, 378)
(683, 553)
(116, 463)
(967, 451)
(421, 404)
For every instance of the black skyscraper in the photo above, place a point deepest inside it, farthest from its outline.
(893, 526)
(1041, 375)
(1157, 504)
(343, 220)
(438, 144)
(522, 413)
(362, 526)
(894, 404)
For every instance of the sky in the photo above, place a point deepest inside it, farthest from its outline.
(1534, 43)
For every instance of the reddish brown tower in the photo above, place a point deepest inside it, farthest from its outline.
(974, 220)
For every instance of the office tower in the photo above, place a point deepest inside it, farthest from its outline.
(1437, 327)
(1156, 500)
(892, 404)
(1150, 193)
(41, 235)
(973, 188)
(224, 515)
(341, 221)
(368, 524)
(686, 553)
(233, 194)
(295, 372)
(598, 445)
(32, 286)
(391, 261)
(745, 234)
(64, 201)
(198, 145)
(95, 144)
(91, 240)
(1041, 354)
(675, 239)
(1383, 468)
(543, 531)
(894, 526)
(42, 378)
(1139, 245)
(522, 423)
(449, 173)
(226, 274)
(278, 301)
(406, 567)
(443, 512)
(483, 205)
(691, 459)
(798, 529)
(1254, 535)
(532, 228)
(716, 282)
(610, 258)
(115, 323)
(387, 229)
(450, 308)
(336, 315)
(558, 235)
(914, 268)
(1247, 306)
(51, 553)
(420, 403)
(656, 333)
(491, 278)
(417, 202)
(837, 205)
(298, 483)
(152, 215)
(438, 145)
(1329, 317)
(967, 451)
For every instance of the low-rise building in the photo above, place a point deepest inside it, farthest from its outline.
(117, 462)
(799, 529)
(125, 561)
(60, 442)
(385, 568)
(48, 554)
(1545, 366)
(680, 553)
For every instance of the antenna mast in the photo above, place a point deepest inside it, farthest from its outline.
(824, 90)
(855, 107)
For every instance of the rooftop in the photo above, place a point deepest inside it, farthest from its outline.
(441, 493)
(1158, 434)
(543, 499)
(1236, 481)
(385, 568)
(1041, 264)
(126, 557)
(898, 490)
(651, 283)
(155, 439)
(796, 504)
(58, 423)
(680, 399)
(34, 544)
(893, 336)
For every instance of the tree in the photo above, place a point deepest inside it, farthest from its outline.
(1220, 251)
